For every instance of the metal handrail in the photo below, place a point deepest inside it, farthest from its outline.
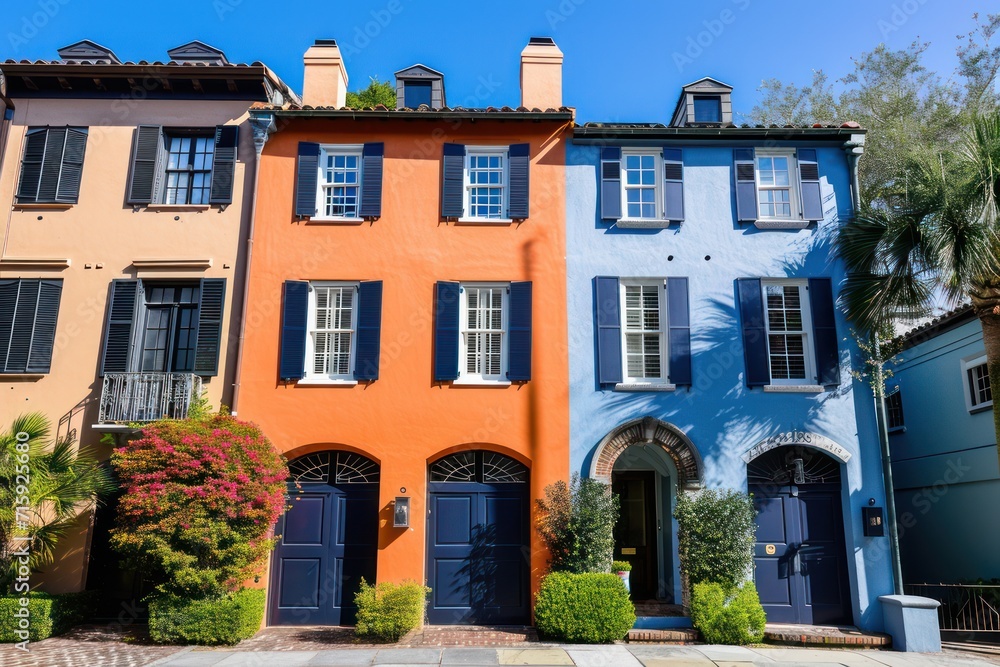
(143, 397)
(973, 608)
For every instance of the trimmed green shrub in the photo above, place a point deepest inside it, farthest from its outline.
(715, 536)
(47, 614)
(387, 611)
(589, 608)
(226, 619)
(736, 617)
(621, 566)
(577, 522)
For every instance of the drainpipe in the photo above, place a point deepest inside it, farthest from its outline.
(855, 148)
(262, 124)
(890, 493)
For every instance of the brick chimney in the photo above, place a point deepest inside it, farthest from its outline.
(324, 82)
(541, 74)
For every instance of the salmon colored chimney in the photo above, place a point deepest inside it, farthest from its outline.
(541, 74)
(324, 81)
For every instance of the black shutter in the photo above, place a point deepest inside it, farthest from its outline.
(227, 138)
(118, 332)
(306, 179)
(24, 324)
(147, 163)
(758, 370)
(453, 182)
(8, 302)
(372, 158)
(55, 144)
(679, 321)
(43, 335)
(68, 190)
(31, 165)
(744, 166)
(812, 199)
(446, 316)
(673, 185)
(607, 313)
(294, 318)
(519, 328)
(520, 160)
(369, 333)
(824, 331)
(211, 306)
(611, 183)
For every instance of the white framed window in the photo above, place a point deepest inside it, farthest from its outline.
(894, 411)
(644, 327)
(486, 183)
(978, 394)
(777, 185)
(483, 333)
(789, 332)
(642, 191)
(339, 196)
(330, 343)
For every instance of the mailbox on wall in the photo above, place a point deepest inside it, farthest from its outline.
(401, 512)
(873, 523)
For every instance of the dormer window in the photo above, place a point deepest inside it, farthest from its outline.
(704, 102)
(419, 85)
(707, 109)
(416, 93)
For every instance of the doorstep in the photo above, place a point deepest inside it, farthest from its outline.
(844, 636)
(662, 636)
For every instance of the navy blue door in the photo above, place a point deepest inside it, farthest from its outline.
(478, 540)
(328, 540)
(799, 556)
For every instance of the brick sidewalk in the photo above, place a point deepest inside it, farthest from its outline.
(88, 646)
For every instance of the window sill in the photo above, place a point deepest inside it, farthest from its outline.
(174, 208)
(981, 408)
(644, 386)
(334, 221)
(782, 224)
(644, 223)
(475, 382)
(793, 389)
(21, 377)
(44, 206)
(897, 430)
(485, 221)
(325, 382)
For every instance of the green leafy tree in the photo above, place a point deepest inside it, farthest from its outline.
(577, 522)
(51, 482)
(377, 92)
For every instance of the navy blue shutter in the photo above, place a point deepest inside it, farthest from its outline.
(31, 165)
(306, 179)
(758, 370)
(824, 331)
(812, 200)
(8, 302)
(453, 181)
(43, 334)
(55, 144)
(369, 334)
(294, 317)
(673, 185)
(117, 348)
(611, 183)
(609, 330)
(224, 164)
(446, 315)
(520, 159)
(679, 342)
(744, 166)
(68, 190)
(210, 309)
(519, 332)
(147, 164)
(372, 156)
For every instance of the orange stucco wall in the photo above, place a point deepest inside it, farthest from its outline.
(404, 420)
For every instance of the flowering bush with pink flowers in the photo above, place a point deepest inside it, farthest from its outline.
(200, 498)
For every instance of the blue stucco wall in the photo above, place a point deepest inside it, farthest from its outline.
(945, 464)
(720, 415)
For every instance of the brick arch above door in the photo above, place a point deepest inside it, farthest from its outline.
(649, 431)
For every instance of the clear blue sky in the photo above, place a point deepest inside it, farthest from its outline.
(625, 59)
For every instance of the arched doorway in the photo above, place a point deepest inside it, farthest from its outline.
(478, 539)
(800, 561)
(647, 462)
(328, 539)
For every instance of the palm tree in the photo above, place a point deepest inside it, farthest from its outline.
(946, 234)
(45, 485)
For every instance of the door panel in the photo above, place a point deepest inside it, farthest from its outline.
(635, 532)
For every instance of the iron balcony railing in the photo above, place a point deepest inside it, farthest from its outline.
(144, 397)
(969, 610)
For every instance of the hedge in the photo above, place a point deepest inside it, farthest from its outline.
(590, 608)
(734, 617)
(47, 614)
(388, 611)
(226, 619)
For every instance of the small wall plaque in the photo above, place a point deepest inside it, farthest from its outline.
(628, 551)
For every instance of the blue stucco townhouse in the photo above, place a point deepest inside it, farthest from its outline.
(707, 351)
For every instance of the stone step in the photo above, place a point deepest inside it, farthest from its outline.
(671, 636)
(819, 635)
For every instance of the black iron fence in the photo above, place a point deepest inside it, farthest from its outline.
(967, 611)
